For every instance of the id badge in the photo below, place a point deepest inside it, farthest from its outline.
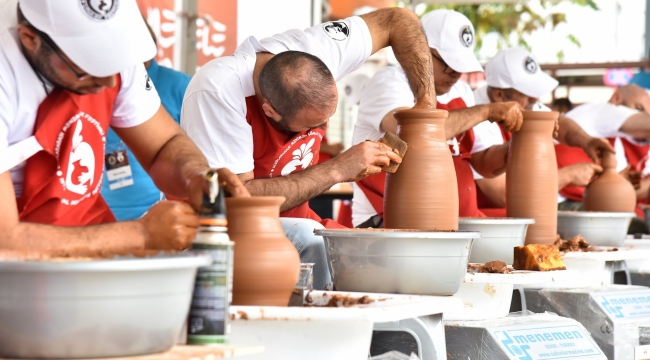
(118, 169)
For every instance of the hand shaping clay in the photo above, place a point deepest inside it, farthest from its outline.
(266, 264)
(423, 193)
(610, 191)
(531, 181)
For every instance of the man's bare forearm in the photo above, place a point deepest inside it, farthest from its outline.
(299, 187)
(462, 120)
(401, 29)
(491, 162)
(177, 161)
(107, 237)
(571, 134)
(564, 177)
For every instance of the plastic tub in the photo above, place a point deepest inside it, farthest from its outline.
(598, 228)
(498, 237)
(398, 261)
(100, 308)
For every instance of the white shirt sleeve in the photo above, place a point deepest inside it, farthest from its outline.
(137, 100)
(601, 120)
(342, 45)
(387, 90)
(486, 135)
(6, 117)
(219, 128)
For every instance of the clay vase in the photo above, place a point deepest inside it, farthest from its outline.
(609, 191)
(266, 264)
(531, 181)
(423, 193)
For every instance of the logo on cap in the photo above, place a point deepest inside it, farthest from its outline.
(337, 30)
(530, 65)
(466, 36)
(100, 9)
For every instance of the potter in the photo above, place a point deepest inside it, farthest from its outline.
(471, 139)
(61, 92)
(263, 111)
(514, 75)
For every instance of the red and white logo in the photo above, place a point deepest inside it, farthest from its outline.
(79, 150)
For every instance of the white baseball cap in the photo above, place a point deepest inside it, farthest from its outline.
(516, 68)
(452, 34)
(102, 37)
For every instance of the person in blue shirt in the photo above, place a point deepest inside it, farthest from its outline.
(127, 188)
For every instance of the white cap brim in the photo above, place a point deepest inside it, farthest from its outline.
(540, 85)
(461, 61)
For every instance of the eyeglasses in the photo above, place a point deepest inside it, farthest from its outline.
(51, 45)
(445, 64)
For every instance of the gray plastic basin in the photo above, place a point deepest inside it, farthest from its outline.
(498, 238)
(598, 228)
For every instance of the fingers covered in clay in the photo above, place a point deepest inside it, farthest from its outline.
(231, 183)
(365, 159)
(170, 225)
(509, 114)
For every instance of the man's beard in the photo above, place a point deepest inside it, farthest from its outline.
(42, 65)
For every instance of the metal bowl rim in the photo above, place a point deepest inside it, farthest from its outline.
(178, 261)
(357, 233)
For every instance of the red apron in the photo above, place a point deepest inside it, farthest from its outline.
(567, 155)
(373, 186)
(485, 205)
(278, 153)
(637, 157)
(63, 181)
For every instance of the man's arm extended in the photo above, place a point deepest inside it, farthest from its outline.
(572, 134)
(637, 126)
(361, 160)
(401, 29)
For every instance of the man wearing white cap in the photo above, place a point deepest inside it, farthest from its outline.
(450, 37)
(68, 70)
(514, 75)
(625, 122)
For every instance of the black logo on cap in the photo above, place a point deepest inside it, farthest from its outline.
(466, 36)
(100, 9)
(530, 65)
(148, 85)
(337, 30)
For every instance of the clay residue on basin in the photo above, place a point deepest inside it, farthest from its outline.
(340, 300)
(72, 255)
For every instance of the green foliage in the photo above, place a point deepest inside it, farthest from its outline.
(511, 21)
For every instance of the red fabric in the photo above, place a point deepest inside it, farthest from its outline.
(63, 182)
(322, 157)
(567, 155)
(494, 212)
(373, 186)
(637, 157)
(280, 153)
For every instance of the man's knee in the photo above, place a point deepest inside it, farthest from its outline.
(301, 232)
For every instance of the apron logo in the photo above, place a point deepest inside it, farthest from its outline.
(301, 157)
(78, 171)
(337, 30)
(100, 9)
(530, 65)
(466, 36)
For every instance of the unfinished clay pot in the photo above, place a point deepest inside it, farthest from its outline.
(531, 181)
(266, 264)
(609, 191)
(423, 193)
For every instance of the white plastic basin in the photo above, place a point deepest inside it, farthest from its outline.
(598, 228)
(498, 237)
(398, 261)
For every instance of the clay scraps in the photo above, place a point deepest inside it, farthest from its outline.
(576, 243)
(492, 267)
(340, 300)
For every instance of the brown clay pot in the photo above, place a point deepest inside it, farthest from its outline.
(423, 193)
(266, 264)
(609, 191)
(531, 181)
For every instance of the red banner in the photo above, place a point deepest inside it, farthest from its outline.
(216, 28)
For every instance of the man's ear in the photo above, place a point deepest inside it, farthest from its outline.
(28, 37)
(498, 95)
(617, 98)
(270, 111)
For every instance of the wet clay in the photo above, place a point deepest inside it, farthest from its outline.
(423, 193)
(74, 254)
(531, 183)
(610, 191)
(494, 267)
(266, 264)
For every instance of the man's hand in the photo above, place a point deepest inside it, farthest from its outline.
(231, 183)
(582, 173)
(507, 113)
(595, 146)
(171, 225)
(332, 149)
(633, 176)
(364, 159)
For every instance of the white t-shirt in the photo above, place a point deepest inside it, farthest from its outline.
(214, 108)
(387, 90)
(601, 120)
(21, 93)
(481, 96)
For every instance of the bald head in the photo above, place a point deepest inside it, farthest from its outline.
(293, 81)
(632, 96)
